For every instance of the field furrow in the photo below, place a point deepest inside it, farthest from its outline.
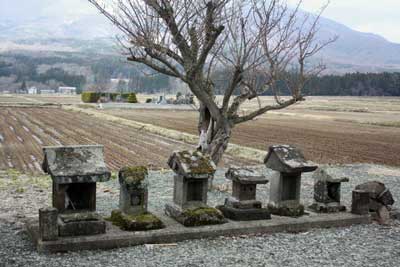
(26, 130)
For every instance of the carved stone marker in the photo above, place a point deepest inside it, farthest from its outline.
(288, 163)
(360, 202)
(327, 191)
(192, 173)
(75, 170)
(48, 228)
(243, 206)
(133, 198)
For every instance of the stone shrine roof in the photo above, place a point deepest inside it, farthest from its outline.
(192, 164)
(75, 164)
(289, 159)
(324, 174)
(245, 176)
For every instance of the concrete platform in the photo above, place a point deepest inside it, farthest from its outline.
(175, 232)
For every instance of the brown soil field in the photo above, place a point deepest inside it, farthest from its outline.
(322, 140)
(24, 131)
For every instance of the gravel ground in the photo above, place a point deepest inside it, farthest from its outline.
(368, 245)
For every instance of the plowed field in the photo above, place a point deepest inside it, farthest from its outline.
(323, 140)
(24, 131)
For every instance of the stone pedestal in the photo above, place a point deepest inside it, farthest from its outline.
(193, 172)
(48, 227)
(288, 163)
(243, 206)
(327, 190)
(360, 202)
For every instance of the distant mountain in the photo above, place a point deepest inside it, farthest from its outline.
(57, 23)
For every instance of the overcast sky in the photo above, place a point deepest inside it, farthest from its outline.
(376, 16)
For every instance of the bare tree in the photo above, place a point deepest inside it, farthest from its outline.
(261, 42)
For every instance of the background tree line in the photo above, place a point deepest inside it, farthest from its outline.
(99, 71)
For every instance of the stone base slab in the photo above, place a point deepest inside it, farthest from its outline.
(289, 210)
(175, 232)
(244, 214)
(327, 208)
(81, 228)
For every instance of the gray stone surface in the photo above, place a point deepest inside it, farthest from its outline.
(327, 191)
(245, 176)
(378, 193)
(248, 214)
(360, 202)
(192, 164)
(48, 228)
(189, 192)
(79, 228)
(289, 159)
(75, 164)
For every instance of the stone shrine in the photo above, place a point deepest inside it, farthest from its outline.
(75, 170)
(327, 191)
(288, 163)
(192, 170)
(243, 206)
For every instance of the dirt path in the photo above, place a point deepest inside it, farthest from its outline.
(324, 141)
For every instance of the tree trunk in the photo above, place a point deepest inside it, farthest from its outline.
(219, 143)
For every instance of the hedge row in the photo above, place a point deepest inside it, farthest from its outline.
(93, 97)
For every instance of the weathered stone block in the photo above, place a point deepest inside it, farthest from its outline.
(360, 202)
(244, 204)
(48, 227)
(285, 187)
(378, 193)
(82, 228)
(190, 192)
(133, 198)
(86, 223)
(289, 209)
(197, 216)
(327, 191)
(142, 222)
(248, 214)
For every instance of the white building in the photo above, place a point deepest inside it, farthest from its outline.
(32, 91)
(47, 92)
(67, 90)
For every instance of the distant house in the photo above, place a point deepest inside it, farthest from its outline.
(47, 92)
(32, 91)
(67, 90)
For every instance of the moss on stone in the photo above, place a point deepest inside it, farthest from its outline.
(202, 216)
(292, 211)
(197, 162)
(142, 222)
(133, 175)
